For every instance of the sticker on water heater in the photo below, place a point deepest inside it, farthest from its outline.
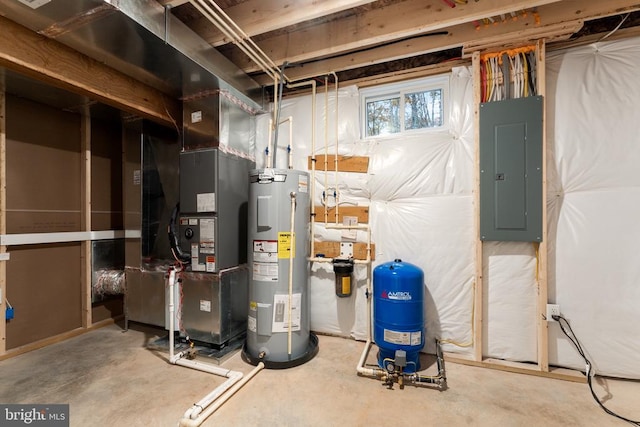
(303, 184)
(251, 324)
(137, 177)
(286, 245)
(281, 312)
(265, 271)
(265, 250)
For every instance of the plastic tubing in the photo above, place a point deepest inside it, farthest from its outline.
(291, 250)
(313, 155)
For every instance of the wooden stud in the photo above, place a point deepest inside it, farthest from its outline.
(478, 304)
(345, 163)
(85, 200)
(50, 61)
(362, 212)
(518, 367)
(332, 250)
(3, 211)
(541, 323)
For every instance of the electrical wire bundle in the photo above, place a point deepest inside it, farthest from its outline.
(508, 74)
(590, 372)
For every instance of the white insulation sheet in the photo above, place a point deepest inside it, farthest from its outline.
(419, 189)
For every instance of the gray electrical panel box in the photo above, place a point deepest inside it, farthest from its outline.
(214, 188)
(511, 170)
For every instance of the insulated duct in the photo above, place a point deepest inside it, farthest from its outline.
(141, 39)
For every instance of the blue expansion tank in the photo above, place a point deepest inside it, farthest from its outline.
(398, 312)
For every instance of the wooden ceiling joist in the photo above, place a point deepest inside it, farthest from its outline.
(459, 35)
(254, 18)
(374, 27)
(47, 60)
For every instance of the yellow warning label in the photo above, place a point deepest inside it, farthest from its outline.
(253, 306)
(285, 246)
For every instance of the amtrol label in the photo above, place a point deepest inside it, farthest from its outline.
(396, 295)
(402, 338)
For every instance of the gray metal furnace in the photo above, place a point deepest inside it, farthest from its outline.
(212, 231)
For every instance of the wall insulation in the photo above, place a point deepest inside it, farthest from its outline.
(419, 189)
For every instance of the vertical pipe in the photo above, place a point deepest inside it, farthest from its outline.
(290, 118)
(326, 147)
(269, 148)
(274, 123)
(313, 155)
(291, 252)
(172, 279)
(335, 160)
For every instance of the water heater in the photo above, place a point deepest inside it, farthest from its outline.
(278, 331)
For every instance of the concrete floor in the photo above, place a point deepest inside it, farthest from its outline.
(110, 378)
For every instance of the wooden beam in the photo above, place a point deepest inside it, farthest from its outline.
(375, 26)
(259, 16)
(3, 211)
(478, 303)
(47, 60)
(85, 200)
(518, 368)
(345, 163)
(542, 323)
(361, 212)
(332, 250)
(522, 31)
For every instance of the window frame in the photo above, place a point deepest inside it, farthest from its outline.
(393, 90)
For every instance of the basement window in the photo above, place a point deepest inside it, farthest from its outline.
(399, 108)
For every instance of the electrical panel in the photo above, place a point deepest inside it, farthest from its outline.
(511, 170)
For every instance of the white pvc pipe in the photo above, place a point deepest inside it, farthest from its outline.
(326, 148)
(291, 251)
(268, 164)
(335, 160)
(187, 422)
(172, 280)
(195, 412)
(313, 156)
(290, 119)
(199, 406)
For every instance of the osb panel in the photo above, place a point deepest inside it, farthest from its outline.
(108, 309)
(132, 252)
(43, 285)
(345, 163)
(361, 212)
(43, 168)
(332, 250)
(106, 176)
(132, 179)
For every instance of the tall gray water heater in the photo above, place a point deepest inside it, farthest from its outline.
(278, 331)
